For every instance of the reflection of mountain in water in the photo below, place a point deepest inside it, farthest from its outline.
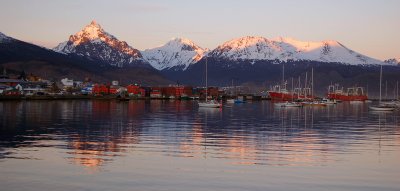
(93, 133)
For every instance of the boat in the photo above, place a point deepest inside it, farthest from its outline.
(239, 101)
(292, 104)
(381, 106)
(230, 101)
(209, 103)
(313, 102)
(355, 93)
(329, 101)
(279, 92)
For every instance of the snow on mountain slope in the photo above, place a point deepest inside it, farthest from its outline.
(178, 52)
(93, 42)
(284, 49)
(393, 61)
(4, 38)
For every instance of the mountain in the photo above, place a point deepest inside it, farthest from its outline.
(17, 56)
(285, 49)
(259, 61)
(4, 38)
(393, 61)
(176, 54)
(95, 43)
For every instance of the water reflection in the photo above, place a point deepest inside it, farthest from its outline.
(92, 134)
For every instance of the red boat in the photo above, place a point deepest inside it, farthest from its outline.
(280, 93)
(352, 94)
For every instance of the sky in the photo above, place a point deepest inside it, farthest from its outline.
(370, 27)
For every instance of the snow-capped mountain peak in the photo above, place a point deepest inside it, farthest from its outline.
(91, 32)
(284, 49)
(178, 53)
(94, 42)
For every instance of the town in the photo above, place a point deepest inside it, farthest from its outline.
(23, 86)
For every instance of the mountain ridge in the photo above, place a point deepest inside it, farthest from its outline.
(95, 43)
(178, 53)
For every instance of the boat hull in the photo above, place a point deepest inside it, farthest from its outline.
(380, 108)
(342, 97)
(209, 105)
(279, 96)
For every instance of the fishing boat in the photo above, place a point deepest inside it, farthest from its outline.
(292, 103)
(380, 106)
(313, 102)
(209, 103)
(355, 93)
(279, 92)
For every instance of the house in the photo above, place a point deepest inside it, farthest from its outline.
(4, 88)
(31, 88)
(11, 82)
(87, 89)
(67, 82)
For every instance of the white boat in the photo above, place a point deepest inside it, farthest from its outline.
(329, 101)
(230, 101)
(209, 103)
(292, 104)
(314, 103)
(391, 103)
(381, 106)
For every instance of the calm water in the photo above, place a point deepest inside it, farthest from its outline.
(173, 145)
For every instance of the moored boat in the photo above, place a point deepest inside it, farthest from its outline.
(352, 94)
(381, 106)
(209, 103)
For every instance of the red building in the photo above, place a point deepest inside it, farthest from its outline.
(212, 91)
(156, 92)
(100, 89)
(177, 91)
(136, 90)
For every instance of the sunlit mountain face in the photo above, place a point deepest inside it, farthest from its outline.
(178, 54)
(94, 42)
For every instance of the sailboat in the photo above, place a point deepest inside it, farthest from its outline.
(381, 106)
(313, 102)
(236, 100)
(209, 103)
(292, 103)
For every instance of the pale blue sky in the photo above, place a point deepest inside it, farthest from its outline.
(371, 27)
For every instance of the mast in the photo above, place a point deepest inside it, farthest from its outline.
(380, 86)
(206, 81)
(305, 87)
(386, 86)
(312, 83)
(397, 90)
(299, 90)
(292, 90)
(283, 74)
